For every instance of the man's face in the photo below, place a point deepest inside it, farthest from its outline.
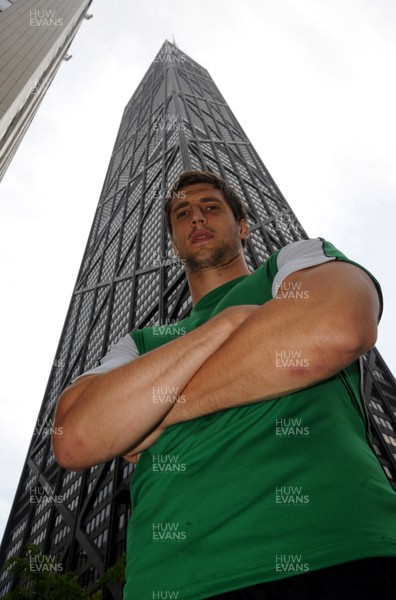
(205, 233)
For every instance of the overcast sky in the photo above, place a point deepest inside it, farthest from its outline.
(311, 82)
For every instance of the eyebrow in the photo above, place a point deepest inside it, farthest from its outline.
(204, 199)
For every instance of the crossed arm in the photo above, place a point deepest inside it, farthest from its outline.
(234, 359)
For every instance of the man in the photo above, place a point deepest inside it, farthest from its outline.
(251, 406)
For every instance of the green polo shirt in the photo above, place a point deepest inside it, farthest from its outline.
(258, 492)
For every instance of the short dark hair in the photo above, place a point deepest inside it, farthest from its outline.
(191, 177)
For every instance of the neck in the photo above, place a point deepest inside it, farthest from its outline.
(203, 282)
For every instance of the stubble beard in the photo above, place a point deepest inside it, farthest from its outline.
(225, 253)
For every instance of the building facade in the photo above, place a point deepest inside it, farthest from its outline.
(6, 4)
(177, 119)
(34, 38)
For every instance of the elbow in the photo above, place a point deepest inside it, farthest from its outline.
(359, 338)
(68, 452)
(70, 442)
(63, 447)
(64, 459)
(347, 341)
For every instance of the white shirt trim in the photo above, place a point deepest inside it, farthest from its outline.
(296, 256)
(120, 353)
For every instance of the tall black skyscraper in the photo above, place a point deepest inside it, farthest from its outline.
(177, 119)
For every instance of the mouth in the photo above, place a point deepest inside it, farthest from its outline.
(201, 236)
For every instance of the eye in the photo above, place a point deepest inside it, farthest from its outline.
(181, 214)
(213, 207)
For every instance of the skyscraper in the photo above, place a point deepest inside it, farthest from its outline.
(6, 4)
(35, 36)
(177, 119)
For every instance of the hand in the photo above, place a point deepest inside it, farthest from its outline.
(133, 455)
(132, 458)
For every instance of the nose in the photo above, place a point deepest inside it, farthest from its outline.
(197, 215)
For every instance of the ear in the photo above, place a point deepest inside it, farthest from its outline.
(244, 229)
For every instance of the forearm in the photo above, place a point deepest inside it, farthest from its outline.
(254, 364)
(243, 370)
(117, 410)
(281, 348)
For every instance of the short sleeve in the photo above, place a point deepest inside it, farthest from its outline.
(310, 253)
(120, 353)
(297, 256)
